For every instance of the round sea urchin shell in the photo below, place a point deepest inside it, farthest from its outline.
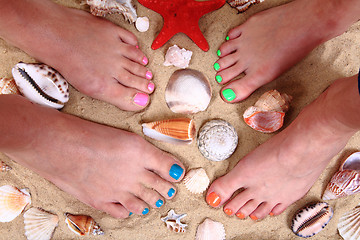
(217, 140)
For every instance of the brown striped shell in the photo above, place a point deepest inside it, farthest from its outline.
(8, 86)
(243, 5)
(82, 225)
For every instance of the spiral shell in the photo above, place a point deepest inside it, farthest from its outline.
(173, 221)
(8, 86)
(196, 180)
(243, 5)
(349, 224)
(104, 7)
(12, 202)
(82, 225)
(39, 224)
(210, 230)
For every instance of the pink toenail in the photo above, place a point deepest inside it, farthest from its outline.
(151, 86)
(145, 60)
(148, 75)
(141, 99)
(137, 46)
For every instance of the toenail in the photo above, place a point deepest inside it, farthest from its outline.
(227, 38)
(253, 217)
(171, 192)
(213, 199)
(146, 210)
(218, 53)
(229, 94)
(240, 215)
(218, 78)
(145, 60)
(137, 46)
(130, 213)
(151, 86)
(228, 211)
(176, 171)
(141, 99)
(148, 75)
(159, 203)
(216, 66)
(271, 214)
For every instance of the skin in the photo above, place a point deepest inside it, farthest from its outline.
(331, 120)
(88, 160)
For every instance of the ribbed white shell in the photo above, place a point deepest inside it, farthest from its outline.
(196, 180)
(39, 224)
(349, 224)
(210, 230)
(12, 202)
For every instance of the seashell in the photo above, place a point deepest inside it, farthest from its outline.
(267, 115)
(312, 219)
(349, 224)
(217, 140)
(178, 57)
(346, 181)
(173, 221)
(104, 7)
(12, 202)
(39, 224)
(179, 130)
(196, 180)
(8, 86)
(4, 167)
(210, 230)
(188, 91)
(142, 24)
(82, 225)
(242, 5)
(41, 84)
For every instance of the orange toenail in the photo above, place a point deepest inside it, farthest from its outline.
(271, 214)
(228, 211)
(213, 199)
(240, 215)
(253, 217)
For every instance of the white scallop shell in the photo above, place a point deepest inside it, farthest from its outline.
(103, 7)
(349, 224)
(142, 24)
(210, 230)
(217, 140)
(41, 84)
(188, 91)
(173, 221)
(39, 224)
(196, 180)
(178, 57)
(8, 86)
(12, 202)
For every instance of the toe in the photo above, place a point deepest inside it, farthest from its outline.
(151, 197)
(131, 80)
(155, 182)
(262, 210)
(238, 201)
(248, 208)
(116, 210)
(278, 209)
(235, 32)
(127, 37)
(230, 73)
(133, 204)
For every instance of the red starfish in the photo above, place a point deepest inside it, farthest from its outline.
(181, 16)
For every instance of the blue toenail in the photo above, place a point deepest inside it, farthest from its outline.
(159, 203)
(176, 171)
(171, 192)
(146, 210)
(130, 213)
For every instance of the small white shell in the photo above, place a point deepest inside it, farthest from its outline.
(210, 230)
(349, 224)
(12, 202)
(188, 91)
(217, 140)
(4, 167)
(103, 7)
(196, 180)
(39, 224)
(41, 84)
(142, 24)
(8, 86)
(178, 57)
(173, 221)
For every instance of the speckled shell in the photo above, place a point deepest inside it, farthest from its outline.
(142, 24)
(312, 219)
(210, 230)
(188, 91)
(41, 84)
(179, 57)
(12, 202)
(179, 130)
(8, 86)
(349, 224)
(243, 5)
(82, 225)
(4, 167)
(173, 221)
(346, 181)
(196, 180)
(104, 7)
(39, 224)
(217, 140)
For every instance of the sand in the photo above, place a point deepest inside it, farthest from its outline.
(339, 57)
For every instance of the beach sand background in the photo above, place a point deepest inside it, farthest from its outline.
(339, 57)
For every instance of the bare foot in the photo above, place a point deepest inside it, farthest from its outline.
(282, 170)
(109, 169)
(269, 43)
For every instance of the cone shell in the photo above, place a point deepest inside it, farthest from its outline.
(196, 180)
(173, 221)
(4, 167)
(243, 5)
(217, 140)
(349, 224)
(188, 91)
(82, 225)
(104, 7)
(210, 230)
(12, 202)
(312, 219)
(8, 86)
(179, 130)
(39, 224)
(346, 181)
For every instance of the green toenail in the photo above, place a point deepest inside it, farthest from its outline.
(229, 94)
(218, 78)
(227, 38)
(218, 53)
(216, 66)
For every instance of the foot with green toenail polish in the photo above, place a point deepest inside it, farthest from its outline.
(216, 66)
(218, 78)
(159, 203)
(218, 53)
(229, 94)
